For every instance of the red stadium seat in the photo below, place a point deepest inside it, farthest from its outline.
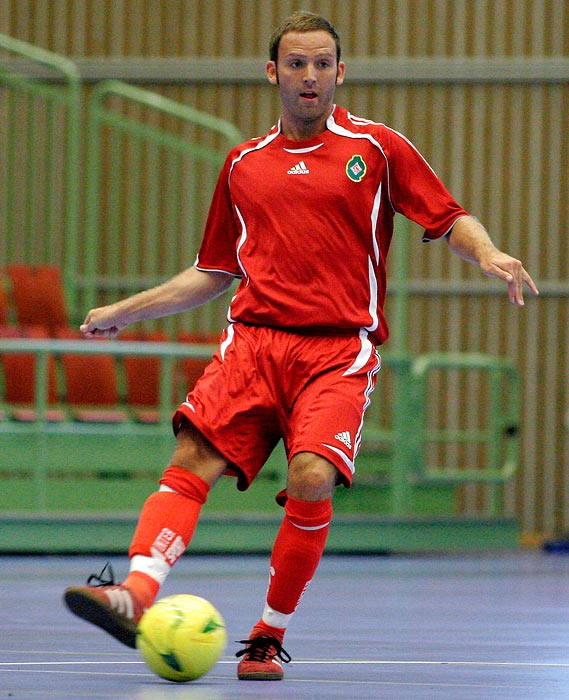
(19, 371)
(143, 378)
(193, 367)
(91, 383)
(37, 292)
(4, 304)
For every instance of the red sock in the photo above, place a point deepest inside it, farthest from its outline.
(261, 629)
(297, 552)
(166, 526)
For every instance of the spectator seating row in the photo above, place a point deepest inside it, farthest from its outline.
(87, 388)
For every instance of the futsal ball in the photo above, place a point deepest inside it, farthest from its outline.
(181, 637)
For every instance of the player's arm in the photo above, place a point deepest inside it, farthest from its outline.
(185, 291)
(470, 241)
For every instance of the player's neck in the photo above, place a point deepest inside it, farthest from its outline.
(301, 130)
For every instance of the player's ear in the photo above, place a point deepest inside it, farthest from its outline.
(341, 72)
(272, 73)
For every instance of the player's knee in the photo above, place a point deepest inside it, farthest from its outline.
(196, 454)
(311, 477)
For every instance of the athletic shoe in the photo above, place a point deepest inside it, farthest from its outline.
(261, 660)
(109, 605)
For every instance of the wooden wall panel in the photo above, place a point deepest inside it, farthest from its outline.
(241, 27)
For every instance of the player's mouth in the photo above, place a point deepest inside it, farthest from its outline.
(309, 95)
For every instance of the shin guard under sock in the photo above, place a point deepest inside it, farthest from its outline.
(296, 554)
(165, 527)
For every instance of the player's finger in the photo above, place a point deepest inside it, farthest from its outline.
(516, 286)
(103, 332)
(87, 326)
(529, 281)
(515, 292)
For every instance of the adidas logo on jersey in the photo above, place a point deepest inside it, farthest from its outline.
(299, 169)
(345, 438)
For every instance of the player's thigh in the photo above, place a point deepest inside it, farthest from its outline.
(195, 453)
(328, 417)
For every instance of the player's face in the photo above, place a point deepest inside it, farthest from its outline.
(307, 73)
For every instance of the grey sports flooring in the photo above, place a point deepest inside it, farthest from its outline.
(386, 628)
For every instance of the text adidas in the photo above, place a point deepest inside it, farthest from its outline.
(345, 437)
(299, 169)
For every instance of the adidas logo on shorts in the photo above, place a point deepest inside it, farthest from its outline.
(344, 437)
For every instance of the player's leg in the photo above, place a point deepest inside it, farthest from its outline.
(323, 432)
(169, 516)
(165, 528)
(297, 551)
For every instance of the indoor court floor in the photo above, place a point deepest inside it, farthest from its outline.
(381, 628)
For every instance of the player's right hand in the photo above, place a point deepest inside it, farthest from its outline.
(99, 323)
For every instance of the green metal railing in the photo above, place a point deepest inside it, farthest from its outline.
(118, 196)
(503, 420)
(149, 186)
(408, 436)
(39, 432)
(40, 134)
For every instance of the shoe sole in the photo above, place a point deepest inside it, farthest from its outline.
(91, 609)
(260, 676)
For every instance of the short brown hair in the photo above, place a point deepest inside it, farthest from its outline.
(302, 22)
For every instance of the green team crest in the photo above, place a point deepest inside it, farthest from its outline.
(356, 168)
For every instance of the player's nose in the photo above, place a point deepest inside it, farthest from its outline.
(309, 77)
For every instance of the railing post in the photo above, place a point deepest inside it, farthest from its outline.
(404, 429)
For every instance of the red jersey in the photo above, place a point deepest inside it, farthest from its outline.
(307, 225)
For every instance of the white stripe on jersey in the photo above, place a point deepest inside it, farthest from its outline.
(373, 286)
(372, 297)
(270, 137)
(412, 146)
(341, 131)
(242, 240)
(363, 355)
(303, 150)
(227, 342)
(360, 120)
(374, 218)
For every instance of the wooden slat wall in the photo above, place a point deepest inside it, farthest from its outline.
(501, 148)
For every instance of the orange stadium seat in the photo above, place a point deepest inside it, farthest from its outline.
(19, 371)
(37, 292)
(4, 304)
(91, 383)
(143, 378)
(193, 367)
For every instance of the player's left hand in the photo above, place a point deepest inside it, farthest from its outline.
(505, 267)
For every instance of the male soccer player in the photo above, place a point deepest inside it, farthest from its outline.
(304, 218)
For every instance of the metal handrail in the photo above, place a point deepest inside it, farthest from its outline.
(167, 106)
(147, 139)
(46, 348)
(504, 424)
(69, 96)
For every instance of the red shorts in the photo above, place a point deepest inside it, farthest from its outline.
(265, 384)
